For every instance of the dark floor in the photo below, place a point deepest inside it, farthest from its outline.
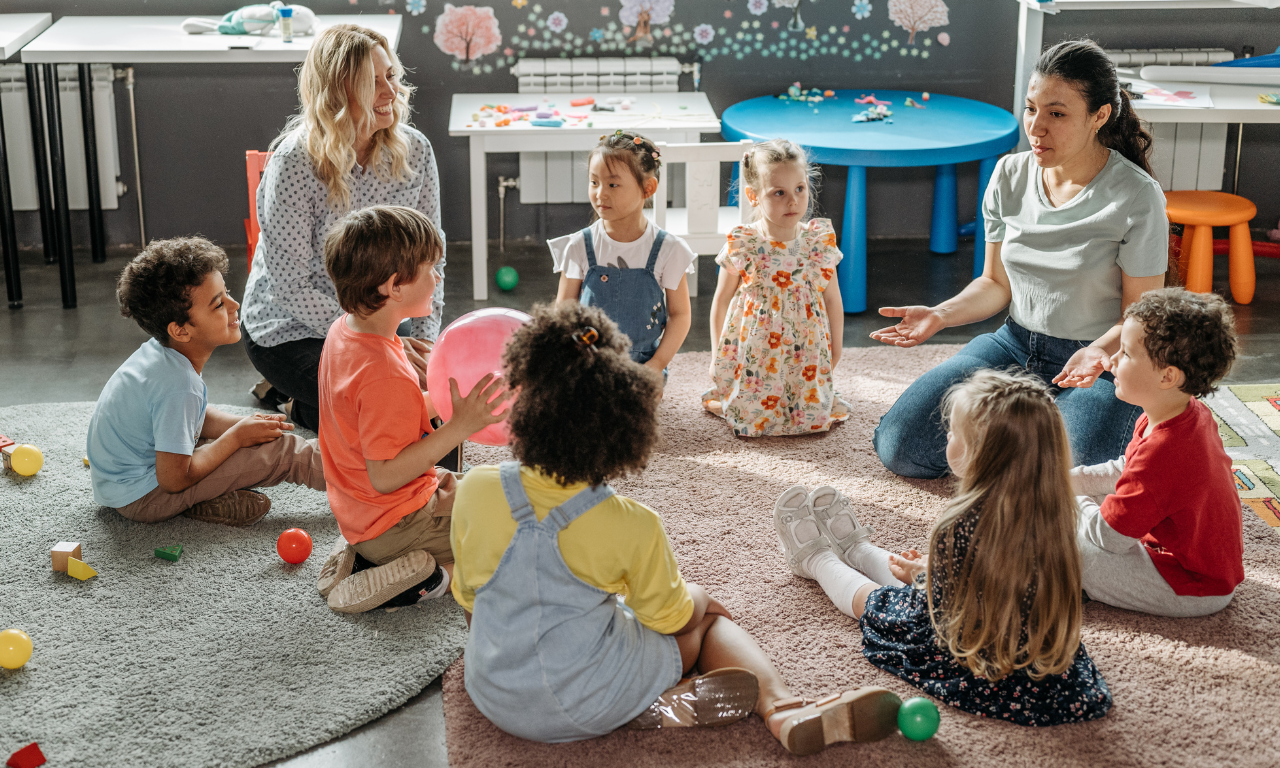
(48, 354)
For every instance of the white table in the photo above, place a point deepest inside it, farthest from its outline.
(86, 40)
(16, 30)
(669, 117)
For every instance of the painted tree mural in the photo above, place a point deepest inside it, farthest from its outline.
(642, 14)
(467, 32)
(918, 15)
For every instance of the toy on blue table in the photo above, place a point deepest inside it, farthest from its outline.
(807, 95)
(910, 102)
(874, 114)
(254, 20)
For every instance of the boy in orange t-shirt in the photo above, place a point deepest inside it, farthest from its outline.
(376, 440)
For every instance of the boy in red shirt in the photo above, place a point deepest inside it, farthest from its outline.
(1167, 538)
(376, 440)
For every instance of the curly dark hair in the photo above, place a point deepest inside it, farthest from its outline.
(1193, 332)
(155, 288)
(585, 412)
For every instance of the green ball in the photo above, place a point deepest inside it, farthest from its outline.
(918, 718)
(507, 278)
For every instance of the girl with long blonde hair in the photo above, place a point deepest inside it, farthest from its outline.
(349, 147)
(988, 621)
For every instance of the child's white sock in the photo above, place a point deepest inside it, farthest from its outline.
(873, 561)
(838, 580)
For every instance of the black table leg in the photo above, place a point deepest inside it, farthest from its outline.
(97, 238)
(8, 237)
(35, 106)
(62, 215)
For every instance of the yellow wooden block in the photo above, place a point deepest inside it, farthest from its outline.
(80, 569)
(63, 550)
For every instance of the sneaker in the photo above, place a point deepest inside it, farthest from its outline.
(436, 585)
(336, 567)
(286, 408)
(239, 509)
(720, 697)
(371, 588)
(262, 389)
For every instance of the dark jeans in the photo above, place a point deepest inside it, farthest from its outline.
(294, 369)
(912, 442)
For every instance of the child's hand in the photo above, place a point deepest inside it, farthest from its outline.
(906, 565)
(476, 410)
(258, 429)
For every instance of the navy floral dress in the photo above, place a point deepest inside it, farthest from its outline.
(898, 637)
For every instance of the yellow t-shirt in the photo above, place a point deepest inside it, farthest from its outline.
(619, 545)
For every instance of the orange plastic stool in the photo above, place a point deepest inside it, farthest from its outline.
(1200, 212)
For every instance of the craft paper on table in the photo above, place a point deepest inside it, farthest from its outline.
(1189, 95)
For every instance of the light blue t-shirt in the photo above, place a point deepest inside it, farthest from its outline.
(1064, 263)
(154, 402)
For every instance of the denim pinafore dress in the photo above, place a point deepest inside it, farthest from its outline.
(551, 658)
(632, 298)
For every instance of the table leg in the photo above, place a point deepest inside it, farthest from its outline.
(479, 222)
(942, 231)
(35, 108)
(61, 213)
(8, 236)
(852, 272)
(97, 236)
(986, 167)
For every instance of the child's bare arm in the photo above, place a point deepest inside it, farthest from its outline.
(176, 472)
(470, 415)
(679, 319)
(835, 315)
(569, 290)
(726, 286)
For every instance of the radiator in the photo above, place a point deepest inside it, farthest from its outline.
(17, 134)
(1134, 57)
(1189, 155)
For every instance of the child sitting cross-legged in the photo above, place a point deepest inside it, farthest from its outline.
(379, 449)
(1160, 528)
(155, 448)
(989, 621)
(580, 619)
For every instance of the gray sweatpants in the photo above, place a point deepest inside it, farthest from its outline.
(1117, 568)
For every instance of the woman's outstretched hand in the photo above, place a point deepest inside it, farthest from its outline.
(1084, 368)
(918, 325)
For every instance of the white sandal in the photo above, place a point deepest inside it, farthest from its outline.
(799, 530)
(835, 517)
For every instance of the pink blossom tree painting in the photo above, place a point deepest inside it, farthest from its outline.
(642, 14)
(467, 32)
(918, 15)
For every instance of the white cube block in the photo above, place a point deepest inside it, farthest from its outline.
(584, 66)
(559, 66)
(635, 64)
(610, 65)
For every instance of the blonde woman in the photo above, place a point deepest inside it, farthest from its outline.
(988, 621)
(349, 147)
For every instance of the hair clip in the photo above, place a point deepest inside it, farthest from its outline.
(618, 132)
(586, 337)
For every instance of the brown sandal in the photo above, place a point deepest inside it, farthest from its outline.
(867, 714)
(720, 697)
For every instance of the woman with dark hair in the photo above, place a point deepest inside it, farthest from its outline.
(1076, 231)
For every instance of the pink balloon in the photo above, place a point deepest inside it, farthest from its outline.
(467, 351)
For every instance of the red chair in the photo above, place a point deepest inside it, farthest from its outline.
(254, 163)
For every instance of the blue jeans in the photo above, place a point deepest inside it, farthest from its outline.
(912, 442)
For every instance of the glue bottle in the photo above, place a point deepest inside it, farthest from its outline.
(286, 24)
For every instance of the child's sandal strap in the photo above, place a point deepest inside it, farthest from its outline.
(792, 702)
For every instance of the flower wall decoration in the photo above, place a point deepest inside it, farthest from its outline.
(644, 14)
(467, 32)
(757, 7)
(415, 7)
(557, 22)
(918, 15)
(703, 34)
(861, 9)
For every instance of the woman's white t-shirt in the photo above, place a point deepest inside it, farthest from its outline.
(674, 259)
(1064, 263)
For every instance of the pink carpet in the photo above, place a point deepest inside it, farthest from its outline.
(1188, 692)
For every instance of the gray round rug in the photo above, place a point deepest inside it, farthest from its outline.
(227, 657)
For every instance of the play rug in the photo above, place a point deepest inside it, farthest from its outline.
(1248, 417)
(1188, 692)
(227, 657)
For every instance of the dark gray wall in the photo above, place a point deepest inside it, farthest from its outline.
(195, 121)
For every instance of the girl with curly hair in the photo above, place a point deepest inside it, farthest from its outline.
(580, 619)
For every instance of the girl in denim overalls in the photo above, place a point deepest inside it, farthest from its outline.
(623, 263)
(580, 619)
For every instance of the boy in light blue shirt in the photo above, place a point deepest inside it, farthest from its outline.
(156, 449)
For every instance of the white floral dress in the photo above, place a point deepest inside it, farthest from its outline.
(772, 371)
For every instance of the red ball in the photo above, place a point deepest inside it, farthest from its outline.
(294, 546)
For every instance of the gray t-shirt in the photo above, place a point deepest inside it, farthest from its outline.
(1064, 263)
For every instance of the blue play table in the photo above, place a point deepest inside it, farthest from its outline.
(949, 130)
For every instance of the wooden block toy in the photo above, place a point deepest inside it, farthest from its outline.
(5, 442)
(26, 460)
(169, 553)
(80, 569)
(29, 756)
(86, 461)
(63, 550)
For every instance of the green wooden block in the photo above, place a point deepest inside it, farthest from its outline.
(169, 553)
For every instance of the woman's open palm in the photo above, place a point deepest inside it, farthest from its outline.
(918, 325)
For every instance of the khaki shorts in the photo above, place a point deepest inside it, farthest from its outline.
(427, 529)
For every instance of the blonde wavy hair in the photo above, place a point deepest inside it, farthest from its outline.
(762, 156)
(1013, 601)
(339, 66)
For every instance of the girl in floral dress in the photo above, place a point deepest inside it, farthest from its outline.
(774, 345)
